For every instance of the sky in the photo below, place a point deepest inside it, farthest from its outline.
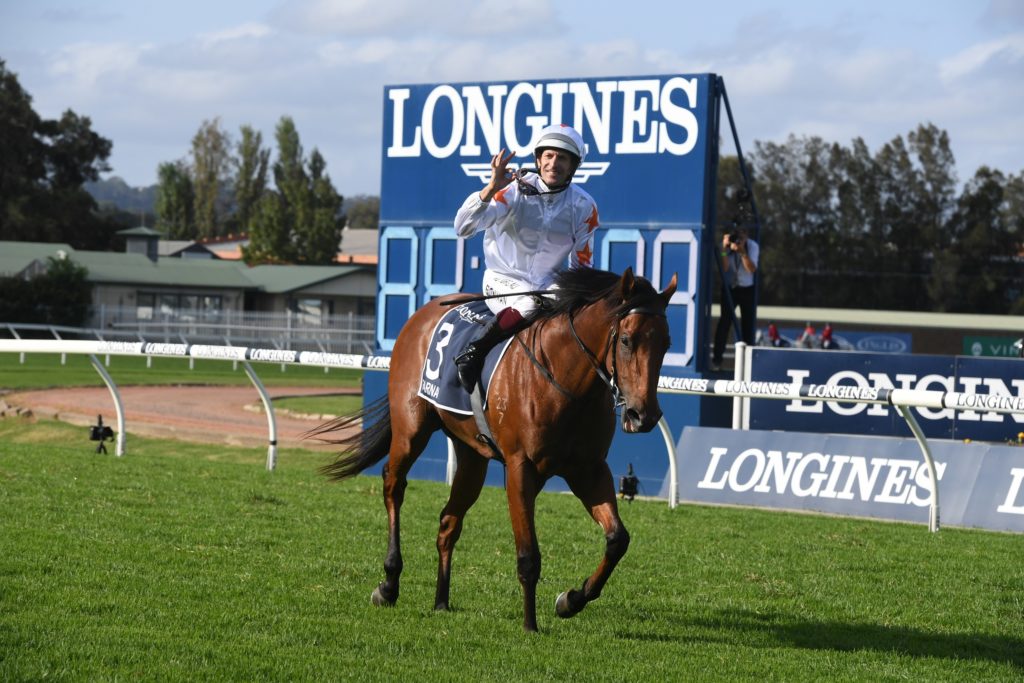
(148, 74)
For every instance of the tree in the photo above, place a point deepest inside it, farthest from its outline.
(840, 222)
(362, 212)
(980, 270)
(319, 236)
(60, 296)
(42, 169)
(250, 182)
(175, 201)
(300, 221)
(211, 164)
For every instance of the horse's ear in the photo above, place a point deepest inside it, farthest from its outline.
(628, 281)
(670, 290)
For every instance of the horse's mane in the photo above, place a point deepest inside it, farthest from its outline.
(578, 287)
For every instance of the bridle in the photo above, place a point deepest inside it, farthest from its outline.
(612, 380)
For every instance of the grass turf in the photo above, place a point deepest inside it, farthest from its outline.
(187, 562)
(45, 371)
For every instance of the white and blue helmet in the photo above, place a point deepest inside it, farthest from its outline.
(561, 136)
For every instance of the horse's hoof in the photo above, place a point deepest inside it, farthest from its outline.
(563, 608)
(377, 599)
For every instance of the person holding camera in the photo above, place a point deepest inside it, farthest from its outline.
(739, 263)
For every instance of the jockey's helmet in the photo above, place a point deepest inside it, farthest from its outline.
(561, 136)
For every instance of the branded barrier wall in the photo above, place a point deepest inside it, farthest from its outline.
(981, 485)
(966, 374)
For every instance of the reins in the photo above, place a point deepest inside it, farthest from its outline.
(611, 380)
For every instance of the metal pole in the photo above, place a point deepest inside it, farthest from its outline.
(933, 512)
(268, 406)
(449, 470)
(673, 472)
(118, 406)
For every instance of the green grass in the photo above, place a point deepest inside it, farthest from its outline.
(320, 405)
(186, 562)
(43, 371)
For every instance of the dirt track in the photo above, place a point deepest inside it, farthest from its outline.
(228, 415)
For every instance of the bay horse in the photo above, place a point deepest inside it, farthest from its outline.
(598, 344)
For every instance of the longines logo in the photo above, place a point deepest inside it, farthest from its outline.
(821, 475)
(650, 115)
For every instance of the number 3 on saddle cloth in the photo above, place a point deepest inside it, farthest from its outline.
(439, 383)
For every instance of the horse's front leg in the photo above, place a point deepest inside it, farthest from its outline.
(469, 479)
(522, 486)
(596, 490)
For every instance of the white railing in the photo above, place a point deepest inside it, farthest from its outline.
(901, 399)
(346, 332)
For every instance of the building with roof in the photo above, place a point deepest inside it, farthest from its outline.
(142, 284)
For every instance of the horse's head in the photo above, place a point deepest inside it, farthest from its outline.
(640, 342)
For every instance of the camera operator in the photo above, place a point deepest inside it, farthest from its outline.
(739, 263)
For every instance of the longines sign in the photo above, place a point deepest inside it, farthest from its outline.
(886, 478)
(647, 140)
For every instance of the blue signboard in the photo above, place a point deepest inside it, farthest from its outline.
(886, 371)
(980, 485)
(652, 151)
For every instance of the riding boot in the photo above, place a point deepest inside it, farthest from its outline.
(471, 361)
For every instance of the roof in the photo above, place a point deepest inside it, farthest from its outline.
(120, 268)
(357, 246)
(281, 279)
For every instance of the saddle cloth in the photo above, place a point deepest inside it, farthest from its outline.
(439, 382)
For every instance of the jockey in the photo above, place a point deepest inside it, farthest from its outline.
(532, 227)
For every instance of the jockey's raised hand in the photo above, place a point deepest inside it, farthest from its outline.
(500, 175)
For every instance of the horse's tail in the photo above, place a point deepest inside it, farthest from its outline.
(362, 449)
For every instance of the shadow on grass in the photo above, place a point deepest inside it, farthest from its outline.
(773, 630)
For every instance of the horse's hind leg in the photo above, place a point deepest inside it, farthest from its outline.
(409, 438)
(469, 479)
(596, 490)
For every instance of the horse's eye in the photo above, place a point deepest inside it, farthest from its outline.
(626, 341)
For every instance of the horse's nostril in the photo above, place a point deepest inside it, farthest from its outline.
(632, 416)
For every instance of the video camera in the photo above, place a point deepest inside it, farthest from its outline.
(629, 485)
(100, 432)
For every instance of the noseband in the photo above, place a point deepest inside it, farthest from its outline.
(613, 380)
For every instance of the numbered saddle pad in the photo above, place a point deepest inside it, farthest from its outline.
(439, 383)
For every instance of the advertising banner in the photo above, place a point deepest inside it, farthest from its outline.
(885, 478)
(990, 376)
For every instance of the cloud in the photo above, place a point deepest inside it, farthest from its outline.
(404, 18)
(325, 63)
(234, 33)
(82, 65)
(1005, 52)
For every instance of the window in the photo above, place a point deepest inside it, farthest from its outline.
(172, 306)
